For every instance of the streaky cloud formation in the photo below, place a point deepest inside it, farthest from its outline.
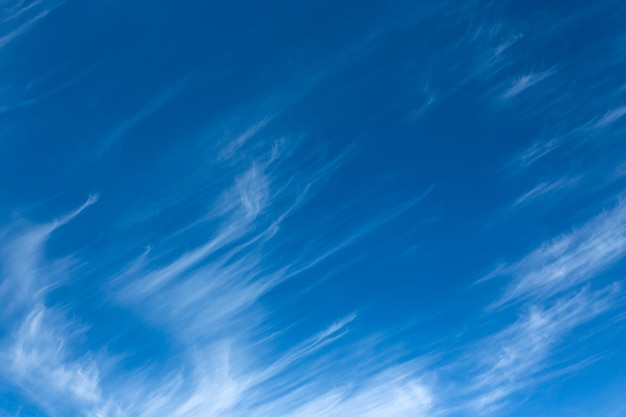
(524, 82)
(22, 17)
(547, 187)
(514, 358)
(611, 117)
(233, 210)
(569, 259)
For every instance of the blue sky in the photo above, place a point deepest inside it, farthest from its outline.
(313, 208)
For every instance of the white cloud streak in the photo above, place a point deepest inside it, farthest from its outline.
(37, 360)
(611, 117)
(207, 300)
(575, 137)
(147, 110)
(569, 259)
(524, 82)
(35, 356)
(32, 12)
(547, 187)
(235, 145)
(520, 355)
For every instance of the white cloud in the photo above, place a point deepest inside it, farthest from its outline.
(524, 82)
(206, 299)
(540, 149)
(22, 28)
(521, 355)
(147, 110)
(391, 393)
(547, 187)
(37, 360)
(574, 136)
(22, 17)
(17, 10)
(611, 117)
(35, 354)
(234, 145)
(25, 279)
(570, 259)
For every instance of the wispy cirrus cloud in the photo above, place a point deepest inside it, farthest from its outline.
(147, 110)
(36, 355)
(523, 354)
(216, 283)
(393, 393)
(25, 278)
(207, 300)
(611, 117)
(551, 286)
(215, 381)
(45, 357)
(540, 149)
(39, 362)
(547, 187)
(575, 137)
(568, 260)
(22, 17)
(240, 227)
(234, 145)
(19, 95)
(523, 83)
